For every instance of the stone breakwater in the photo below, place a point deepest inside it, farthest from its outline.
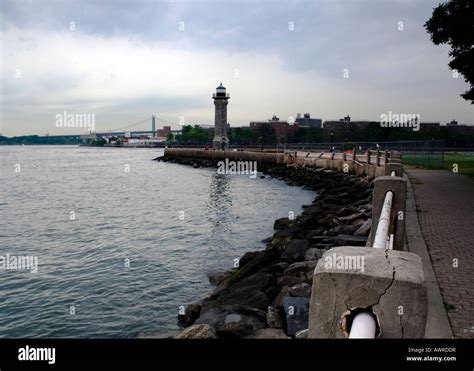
(267, 296)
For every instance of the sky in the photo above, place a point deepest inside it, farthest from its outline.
(122, 61)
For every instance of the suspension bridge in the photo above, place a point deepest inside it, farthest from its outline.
(144, 127)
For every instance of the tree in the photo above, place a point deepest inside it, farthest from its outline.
(452, 23)
(169, 137)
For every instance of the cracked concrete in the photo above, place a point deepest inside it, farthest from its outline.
(391, 281)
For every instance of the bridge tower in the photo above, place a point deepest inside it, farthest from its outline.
(153, 127)
(220, 97)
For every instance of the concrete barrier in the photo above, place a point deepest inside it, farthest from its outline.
(326, 161)
(389, 285)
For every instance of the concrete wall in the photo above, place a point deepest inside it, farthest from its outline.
(352, 167)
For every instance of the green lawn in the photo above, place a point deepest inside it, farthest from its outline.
(465, 162)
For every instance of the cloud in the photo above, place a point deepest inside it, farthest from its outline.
(126, 61)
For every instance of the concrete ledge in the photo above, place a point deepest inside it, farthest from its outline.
(279, 158)
(390, 283)
(437, 323)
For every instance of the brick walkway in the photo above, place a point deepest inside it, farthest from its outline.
(445, 206)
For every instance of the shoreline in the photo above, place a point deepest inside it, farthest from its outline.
(267, 296)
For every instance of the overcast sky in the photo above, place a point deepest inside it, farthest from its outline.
(126, 60)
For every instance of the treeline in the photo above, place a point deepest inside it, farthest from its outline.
(453, 137)
(37, 140)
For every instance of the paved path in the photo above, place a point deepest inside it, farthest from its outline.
(445, 205)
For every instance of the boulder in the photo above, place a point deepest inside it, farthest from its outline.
(278, 301)
(273, 318)
(302, 334)
(202, 331)
(314, 253)
(281, 223)
(287, 280)
(304, 268)
(237, 325)
(213, 317)
(316, 232)
(364, 229)
(248, 256)
(300, 290)
(268, 333)
(248, 292)
(215, 278)
(296, 311)
(191, 314)
(350, 240)
(295, 250)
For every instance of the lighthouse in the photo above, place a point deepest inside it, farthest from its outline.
(221, 98)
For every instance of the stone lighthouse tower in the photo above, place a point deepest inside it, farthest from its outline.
(220, 140)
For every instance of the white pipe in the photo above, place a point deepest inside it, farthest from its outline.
(381, 234)
(393, 173)
(363, 326)
(390, 243)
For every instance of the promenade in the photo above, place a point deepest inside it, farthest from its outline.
(445, 206)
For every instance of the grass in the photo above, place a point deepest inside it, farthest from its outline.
(464, 162)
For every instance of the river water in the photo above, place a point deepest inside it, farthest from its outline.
(121, 241)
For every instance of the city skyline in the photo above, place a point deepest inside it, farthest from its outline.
(122, 63)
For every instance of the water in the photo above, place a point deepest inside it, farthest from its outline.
(84, 287)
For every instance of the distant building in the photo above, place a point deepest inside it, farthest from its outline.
(342, 128)
(161, 133)
(307, 122)
(282, 129)
(429, 125)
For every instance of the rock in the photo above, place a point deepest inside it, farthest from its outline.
(358, 222)
(301, 268)
(198, 332)
(248, 256)
(351, 217)
(215, 278)
(314, 253)
(268, 333)
(296, 311)
(351, 240)
(261, 259)
(281, 223)
(191, 314)
(348, 229)
(280, 267)
(273, 318)
(302, 334)
(238, 326)
(213, 317)
(295, 250)
(278, 301)
(317, 232)
(287, 280)
(248, 292)
(364, 229)
(267, 240)
(300, 290)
